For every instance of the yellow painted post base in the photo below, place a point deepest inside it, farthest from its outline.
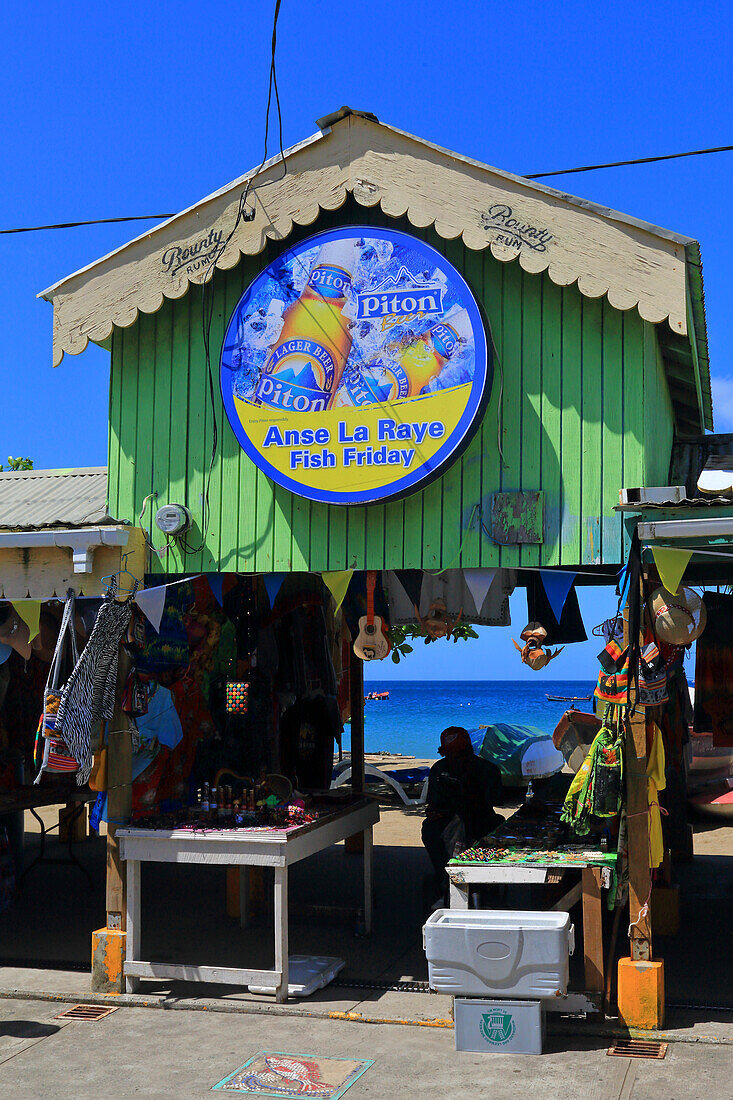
(108, 955)
(641, 993)
(665, 910)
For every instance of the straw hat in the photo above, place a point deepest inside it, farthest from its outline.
(678, 619)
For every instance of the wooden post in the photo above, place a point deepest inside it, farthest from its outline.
(357, 723)
(593, 930)
(637, 821)
(355, 844)
(119, 798)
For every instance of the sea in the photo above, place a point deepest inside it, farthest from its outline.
(411, 720)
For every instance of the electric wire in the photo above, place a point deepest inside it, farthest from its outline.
(207, 300)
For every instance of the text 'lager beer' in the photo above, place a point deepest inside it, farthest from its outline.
(305, 366)
(410, 369)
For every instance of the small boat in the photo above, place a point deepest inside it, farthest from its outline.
(715, 799)
(569, 698)
(376, 695)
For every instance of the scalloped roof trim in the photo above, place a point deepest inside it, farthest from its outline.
(635, 265)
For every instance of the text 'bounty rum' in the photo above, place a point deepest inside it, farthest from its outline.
(305, 366)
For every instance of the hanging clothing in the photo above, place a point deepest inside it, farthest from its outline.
(570, 627)
(449, 586)
(714, 671)
(89, 694)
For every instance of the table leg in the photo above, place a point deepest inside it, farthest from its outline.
(243, 895)
(132, 921)
(458, 895)
(593, 930)
(281, 932)
(368, 888)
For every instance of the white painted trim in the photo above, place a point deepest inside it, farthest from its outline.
(708, 528)
(81, 541)
(633, 264)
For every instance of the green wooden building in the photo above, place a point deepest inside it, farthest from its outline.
(600, 355)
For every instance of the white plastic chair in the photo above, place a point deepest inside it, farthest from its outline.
(344, 775)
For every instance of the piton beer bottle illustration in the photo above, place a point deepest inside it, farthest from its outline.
(406, 372)
(305, 366)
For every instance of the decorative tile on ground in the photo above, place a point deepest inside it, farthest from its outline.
(274, 1073)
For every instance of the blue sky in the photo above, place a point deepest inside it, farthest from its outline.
(143, 108)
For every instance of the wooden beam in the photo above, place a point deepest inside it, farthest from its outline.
(119, 798)
(637, 821)
(593, 930)
(357, 723)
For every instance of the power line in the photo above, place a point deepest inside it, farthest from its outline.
(95, 221)
(623, 163)
(533, 176)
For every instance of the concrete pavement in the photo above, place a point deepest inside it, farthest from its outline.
(150, 1053)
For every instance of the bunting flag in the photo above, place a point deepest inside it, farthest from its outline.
(337, 582)
(216, 584)
(478, 583)
(556, 586)
(30, 612)
(671, 565)
(411, 581)
(273, 583)
(151, 602)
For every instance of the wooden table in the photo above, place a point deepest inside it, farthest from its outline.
(464, 877)
(276, 848)
(32, 798)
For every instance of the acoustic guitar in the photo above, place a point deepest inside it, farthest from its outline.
(372, 643)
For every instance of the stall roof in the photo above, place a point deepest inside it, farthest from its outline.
(634, 264)
(34, 499)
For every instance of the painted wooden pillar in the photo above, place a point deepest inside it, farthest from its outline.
(640, 978)
(356, 683)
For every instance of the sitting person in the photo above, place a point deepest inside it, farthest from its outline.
(462, 791)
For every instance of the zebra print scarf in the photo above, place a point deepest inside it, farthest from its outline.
(89, 694)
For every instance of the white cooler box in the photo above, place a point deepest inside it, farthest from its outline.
(490, 952)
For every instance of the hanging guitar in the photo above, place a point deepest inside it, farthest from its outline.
(372, 642)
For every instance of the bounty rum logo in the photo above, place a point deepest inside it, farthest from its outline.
(393, 299)
(497, 1027)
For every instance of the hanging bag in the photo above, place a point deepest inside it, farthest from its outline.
(51, 752)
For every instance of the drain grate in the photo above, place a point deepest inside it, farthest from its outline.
(384, 987)
(85, 1012)
(637, 1048)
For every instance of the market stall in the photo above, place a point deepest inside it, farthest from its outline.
(402, 378)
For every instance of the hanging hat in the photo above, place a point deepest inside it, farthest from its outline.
(680, 619)
(533, 632)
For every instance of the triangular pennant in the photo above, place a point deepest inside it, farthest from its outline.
(478, 583)
(30, 612)
(273, 583)
(151, 602)
(216, 584)
(411, 581)
(671, 565)
(556, 586)
(337, 582)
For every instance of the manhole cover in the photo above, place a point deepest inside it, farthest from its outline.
(638, 1048)
(85, 1012)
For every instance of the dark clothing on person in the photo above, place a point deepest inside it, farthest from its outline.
(470, 792)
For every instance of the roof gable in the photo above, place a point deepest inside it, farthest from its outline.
(634, 264)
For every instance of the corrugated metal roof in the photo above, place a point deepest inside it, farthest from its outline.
(54, 498)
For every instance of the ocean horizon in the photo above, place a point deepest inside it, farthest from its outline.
(411, 720)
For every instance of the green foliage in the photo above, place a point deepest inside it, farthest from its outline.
(400, 637)
(18, 464)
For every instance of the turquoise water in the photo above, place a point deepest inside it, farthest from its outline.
(412, 719)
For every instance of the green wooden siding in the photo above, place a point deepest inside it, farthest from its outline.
(579, 407)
